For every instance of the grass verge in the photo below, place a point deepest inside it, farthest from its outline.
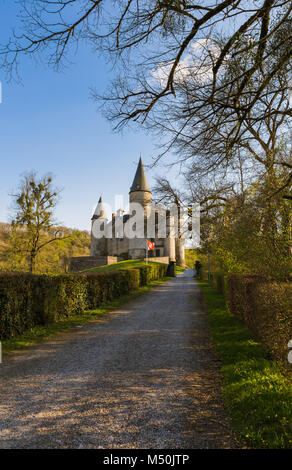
(257, 395)
(39, 333)
(133, 263)
(179, 269)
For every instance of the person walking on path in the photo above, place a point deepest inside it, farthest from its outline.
(198, 268)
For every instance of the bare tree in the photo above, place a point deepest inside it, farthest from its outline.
(156, 38)
(211, 198)
(212, 77)
(212, 136)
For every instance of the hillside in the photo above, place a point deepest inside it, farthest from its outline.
(54, 258)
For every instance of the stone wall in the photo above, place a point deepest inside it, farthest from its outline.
(118, 247)
(82, 263)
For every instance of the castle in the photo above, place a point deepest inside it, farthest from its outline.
(111, 247)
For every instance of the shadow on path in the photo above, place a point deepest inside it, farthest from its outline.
(143, 377)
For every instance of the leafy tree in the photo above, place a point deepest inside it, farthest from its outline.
(244, 241)
(242, 227)
(53, 258)
(33, 221)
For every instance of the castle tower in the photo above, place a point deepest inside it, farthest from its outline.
(140, 194)
(140, 191)
(98, 245)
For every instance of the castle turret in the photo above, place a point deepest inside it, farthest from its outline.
(99, 222)
(140, 191)
(99, 212)
(140, 194)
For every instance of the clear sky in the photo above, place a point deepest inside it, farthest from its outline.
(50, 124)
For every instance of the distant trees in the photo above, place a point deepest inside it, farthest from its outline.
(34, 205)
(53, 258)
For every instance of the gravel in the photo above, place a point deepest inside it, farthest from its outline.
(144, 376)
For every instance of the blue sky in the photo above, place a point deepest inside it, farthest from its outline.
(50, 124)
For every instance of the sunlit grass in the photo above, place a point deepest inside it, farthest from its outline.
(135, 263)
(179, 269)
(258, 396)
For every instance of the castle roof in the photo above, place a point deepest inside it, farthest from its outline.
(99, 211)
(124, 217)
(140, 181)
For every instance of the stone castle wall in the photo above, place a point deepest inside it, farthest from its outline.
(81, 263)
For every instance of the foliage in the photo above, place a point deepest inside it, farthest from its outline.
(257, 395)
(27, 300)
(253, 235)
(40, 332)
(179, 270)
(191, 257)
(266, 309)
(148, 271)
(54, 257)
(215, 81)
(34, 206)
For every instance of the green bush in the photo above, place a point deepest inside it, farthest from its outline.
(27, 300)
(151, 272)
(265, 306)
(219, 282)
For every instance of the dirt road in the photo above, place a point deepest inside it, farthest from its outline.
(145, 376)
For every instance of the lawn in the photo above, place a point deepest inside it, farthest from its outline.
(257, 395)
(179, 269)
(135, 263)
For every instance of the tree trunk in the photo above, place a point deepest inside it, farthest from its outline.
(179, 252)
(32, 261)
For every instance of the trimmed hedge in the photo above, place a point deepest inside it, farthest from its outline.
(265, 306)
(27, 300)
(218, 281)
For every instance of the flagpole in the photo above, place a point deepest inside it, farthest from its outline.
(146, 251)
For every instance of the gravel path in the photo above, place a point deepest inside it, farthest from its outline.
(143, 377)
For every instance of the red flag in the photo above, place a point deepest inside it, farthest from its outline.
(150, 245)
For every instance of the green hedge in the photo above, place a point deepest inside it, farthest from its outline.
(218, 281)
(27, 300)
(265, 306)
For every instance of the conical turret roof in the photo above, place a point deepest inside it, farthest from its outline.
(99, 211)
(140, 181)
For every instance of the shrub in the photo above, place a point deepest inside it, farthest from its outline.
(217, 280)
(27, 300)
(16, 304)
(220, 283)
(104, 287)
(265, 306)
(151, 272)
